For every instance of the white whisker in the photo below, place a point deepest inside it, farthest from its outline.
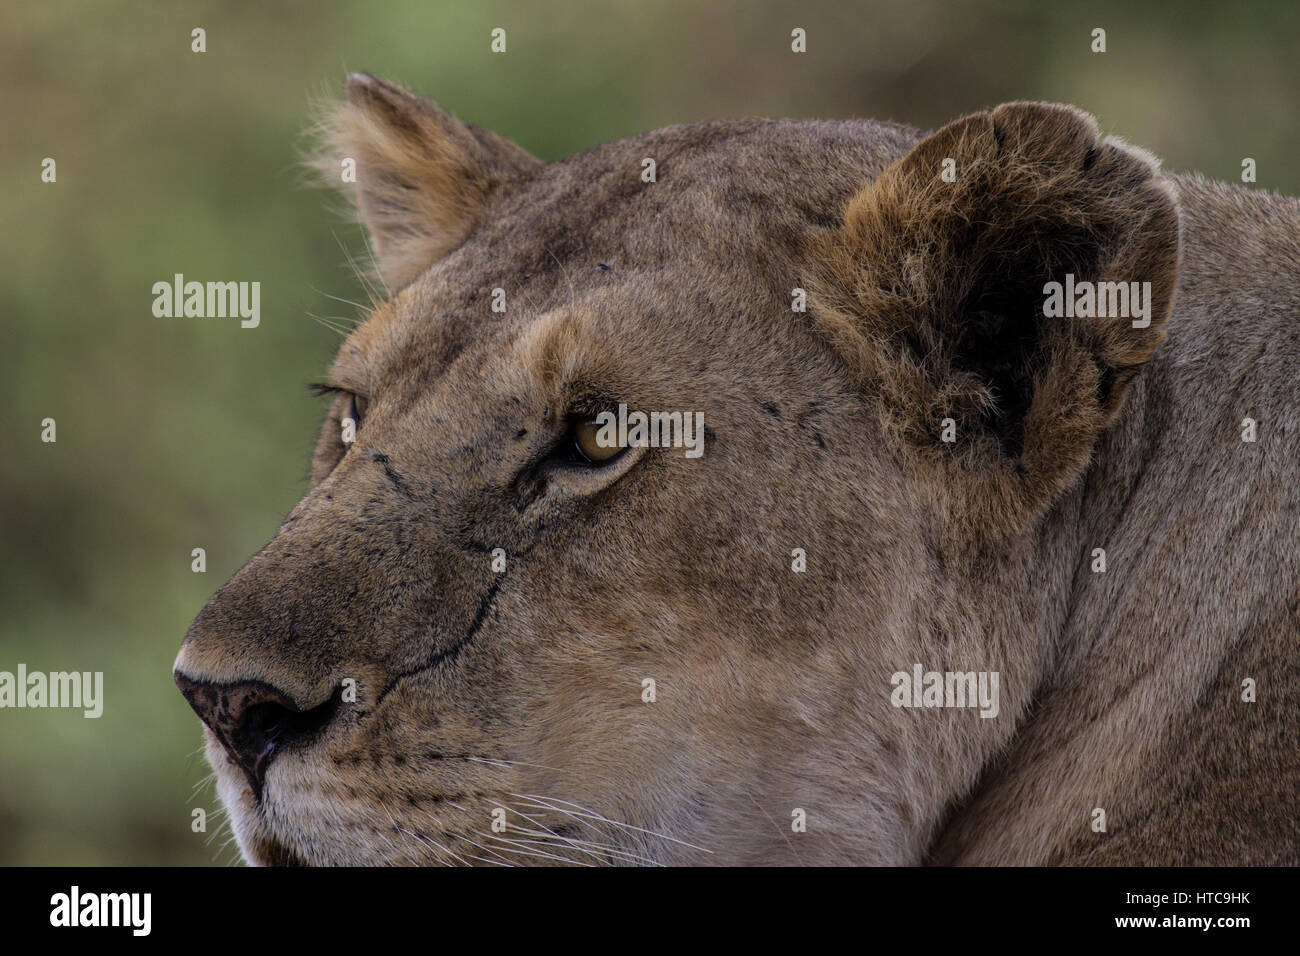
(581, 811)
(525, 852)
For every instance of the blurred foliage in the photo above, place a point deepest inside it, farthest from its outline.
(183, 433)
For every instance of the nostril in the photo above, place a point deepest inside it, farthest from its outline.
(274, 723)
(254, 721)
(271, 727)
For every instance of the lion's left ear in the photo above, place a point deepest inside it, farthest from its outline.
(420, 177)
(938, 290)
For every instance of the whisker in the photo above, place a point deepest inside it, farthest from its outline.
(502, 862)
(598, 850)
(333, 328)
(337, 298)
(450, 853)
(525, 852)
(606, 849)
(436, 857)
(591, 814)
(202, 783)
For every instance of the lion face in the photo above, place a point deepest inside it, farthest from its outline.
(479, 639)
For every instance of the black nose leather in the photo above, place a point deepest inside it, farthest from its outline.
(254, 721)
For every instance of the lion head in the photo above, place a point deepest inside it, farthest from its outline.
(485, 636)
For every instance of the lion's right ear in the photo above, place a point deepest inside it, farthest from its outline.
(418, 176)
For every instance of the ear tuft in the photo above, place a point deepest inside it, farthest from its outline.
(422, 177)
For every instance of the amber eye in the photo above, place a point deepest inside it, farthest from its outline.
(587, 437)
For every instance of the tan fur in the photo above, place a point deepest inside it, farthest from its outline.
(522, 690)
(422, 175)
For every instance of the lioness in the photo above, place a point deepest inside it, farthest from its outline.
(487, 636)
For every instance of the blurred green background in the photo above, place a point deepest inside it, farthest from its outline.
(183, 433)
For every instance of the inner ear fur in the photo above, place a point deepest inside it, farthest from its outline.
(422, 175)
(933, 293)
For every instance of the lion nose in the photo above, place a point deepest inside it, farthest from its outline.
(254, 721)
